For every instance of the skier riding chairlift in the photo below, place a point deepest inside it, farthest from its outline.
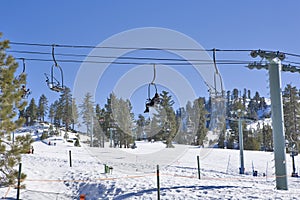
(26, 92)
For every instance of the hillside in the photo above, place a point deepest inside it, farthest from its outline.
(134, 173)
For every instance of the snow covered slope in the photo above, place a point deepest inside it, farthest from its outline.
(134, 174)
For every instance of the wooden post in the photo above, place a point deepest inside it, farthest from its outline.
(198, 162)
(158, 186)
(70, 157)
(19, 181)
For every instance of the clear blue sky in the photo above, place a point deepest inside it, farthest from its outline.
(270, 25)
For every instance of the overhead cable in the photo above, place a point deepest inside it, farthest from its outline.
(120, 47)
(126, 57)
(137, 63)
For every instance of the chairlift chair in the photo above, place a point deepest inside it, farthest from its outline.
(190, 126)
(151, 102)
(51, 81)
(25, 91)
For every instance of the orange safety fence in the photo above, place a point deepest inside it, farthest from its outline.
(152, 174)
(145, 175)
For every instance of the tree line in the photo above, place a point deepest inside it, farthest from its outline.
(115, 121)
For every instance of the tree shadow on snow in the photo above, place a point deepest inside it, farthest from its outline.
(139, 193)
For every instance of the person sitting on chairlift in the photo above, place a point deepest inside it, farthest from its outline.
(54, 87)
(152, 102)
(25, 91)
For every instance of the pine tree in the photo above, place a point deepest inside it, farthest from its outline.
(234, 136)
(249, 94)
(200, 119)
(167, 119)
(122, 114)
(267, 138)
(252, 110)
(110, 125)
(42, 107)
(87, 112)
(155, 129)
(99, 132)
(51, 113)
(189, 124)
(291, 109)
(256, 99)
(65, 105)
(184, 133)
(57, 117)
(235, 94)
(11, 103)
(31, 112)
(251, 141)
(107, 123)
(228, 102)
(244, 97)
(74, 119)
(141, 123)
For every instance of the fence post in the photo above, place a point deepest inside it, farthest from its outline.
(158, 186)
(19, 181)
(70, 158)
(198, 162)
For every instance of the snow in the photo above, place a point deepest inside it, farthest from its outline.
(50, 176)
(259, 124)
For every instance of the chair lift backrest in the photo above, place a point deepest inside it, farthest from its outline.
(56, 86)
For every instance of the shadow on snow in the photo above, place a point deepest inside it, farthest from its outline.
(170, 188)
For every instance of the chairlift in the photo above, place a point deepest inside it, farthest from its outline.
(151, 102)
(53, 82)
(25, 91)
(190, 126)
